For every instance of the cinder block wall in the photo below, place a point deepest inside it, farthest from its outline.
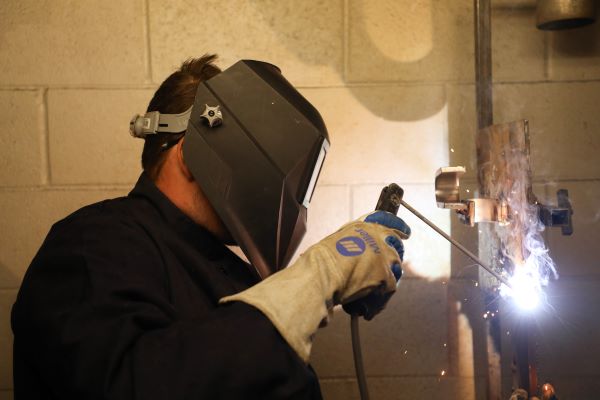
(393, 80)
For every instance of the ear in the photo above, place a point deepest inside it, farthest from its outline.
(181, 161)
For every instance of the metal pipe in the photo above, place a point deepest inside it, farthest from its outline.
(483, 63)
(485, 118)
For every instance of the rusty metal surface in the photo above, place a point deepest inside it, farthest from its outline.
(496, 148)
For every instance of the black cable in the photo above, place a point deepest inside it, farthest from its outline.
(389, 201)
(358, 361)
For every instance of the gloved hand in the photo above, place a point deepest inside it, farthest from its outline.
(369, 304)
(347, 265)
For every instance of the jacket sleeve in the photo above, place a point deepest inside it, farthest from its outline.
(93, 321)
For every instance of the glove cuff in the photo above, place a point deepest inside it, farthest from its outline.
(298, 300)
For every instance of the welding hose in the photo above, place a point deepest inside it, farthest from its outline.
(358, 360)
(389, 200)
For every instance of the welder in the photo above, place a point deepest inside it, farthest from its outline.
(140, 297)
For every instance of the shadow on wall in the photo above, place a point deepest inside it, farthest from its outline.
(409, 350)
(577, 43)
(401, 41)
(8, 280)
(415, 48)
(8, 284)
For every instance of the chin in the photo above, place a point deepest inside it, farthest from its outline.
(229, 242)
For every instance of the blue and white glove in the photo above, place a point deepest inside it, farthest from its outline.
(361, 257)
(373, 302)
(402, 232)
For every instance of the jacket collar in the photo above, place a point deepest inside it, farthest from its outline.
(181, 224)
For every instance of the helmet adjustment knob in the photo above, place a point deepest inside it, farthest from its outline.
(213, 115)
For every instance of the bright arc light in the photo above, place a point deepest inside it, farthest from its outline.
(525, 290)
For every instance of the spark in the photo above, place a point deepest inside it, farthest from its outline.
(452, 149)
(443, 372)
(445, 345)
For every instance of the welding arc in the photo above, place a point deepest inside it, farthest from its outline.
(457, 244)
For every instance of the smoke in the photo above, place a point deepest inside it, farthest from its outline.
(529, 265)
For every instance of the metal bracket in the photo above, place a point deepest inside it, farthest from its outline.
(560, 216)
(484, 210)
(470, 211)
(473, 211)
(447, 185)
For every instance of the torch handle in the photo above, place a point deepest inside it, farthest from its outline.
(368, 306)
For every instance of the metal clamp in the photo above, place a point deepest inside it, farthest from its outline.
(560, 216)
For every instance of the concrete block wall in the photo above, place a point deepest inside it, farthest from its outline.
(393, 80)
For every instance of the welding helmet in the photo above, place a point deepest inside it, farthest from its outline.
(256, 147)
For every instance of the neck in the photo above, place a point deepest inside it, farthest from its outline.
(184, 192)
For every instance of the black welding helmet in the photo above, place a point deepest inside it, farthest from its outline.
(255, 146)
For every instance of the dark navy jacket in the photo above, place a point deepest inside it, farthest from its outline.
(121, 302)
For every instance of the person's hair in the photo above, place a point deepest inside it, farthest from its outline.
(175, 95)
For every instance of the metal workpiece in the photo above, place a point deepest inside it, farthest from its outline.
(565, 14)
(505, 176)
(485, 210)
(503, 157)
(506, 198)
(496, 210)
(447, 187)
(470, 211)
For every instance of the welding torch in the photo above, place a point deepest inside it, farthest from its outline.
(390, 200)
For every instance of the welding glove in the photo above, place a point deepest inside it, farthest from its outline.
(362, 256)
